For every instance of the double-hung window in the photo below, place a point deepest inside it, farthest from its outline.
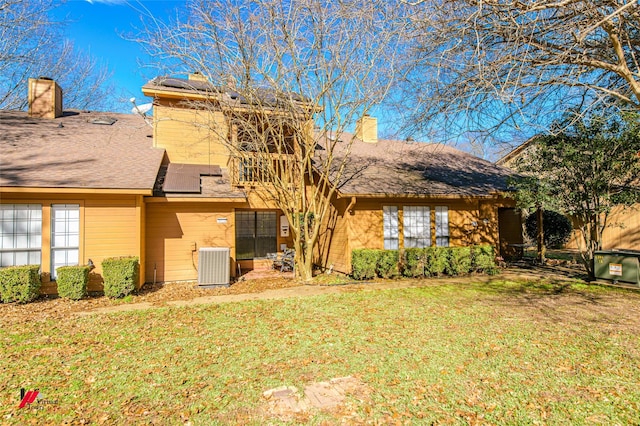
(390, 227)
(20, 234)
(416, 223)
(65, 236)
(442, 226)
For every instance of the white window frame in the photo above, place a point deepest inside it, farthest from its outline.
(391, 235)
(20, 234)
(65, 236)
(416, 225)
(442, 226)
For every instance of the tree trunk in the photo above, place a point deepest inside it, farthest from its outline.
(541, 247)
(304, 264)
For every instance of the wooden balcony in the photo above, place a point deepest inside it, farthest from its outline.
(253, 170)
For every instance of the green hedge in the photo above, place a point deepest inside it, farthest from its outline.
(387, 265)
(20, 283)
(414, 263)
(459, 261)
(72, 281)
(363, 263)
(436, 261)
(423, 262)
(484, 260)
(120, 276)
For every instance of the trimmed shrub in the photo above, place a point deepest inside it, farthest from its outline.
(557, 228)
(363, 263)
(120, 276)
(414, 262)
(484, 259)
(436, 260)
(20, 283)
(72, 281)
(387, 264)
(459, 261)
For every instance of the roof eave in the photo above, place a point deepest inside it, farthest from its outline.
(418, 196)
(74, 190)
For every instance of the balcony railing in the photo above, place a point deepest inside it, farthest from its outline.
(253, 170)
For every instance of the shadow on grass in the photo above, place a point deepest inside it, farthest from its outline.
(550, 282)
(560, 300)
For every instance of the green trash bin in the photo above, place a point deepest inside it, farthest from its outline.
(618, 266)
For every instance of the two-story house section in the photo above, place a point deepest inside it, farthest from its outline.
(206, 193)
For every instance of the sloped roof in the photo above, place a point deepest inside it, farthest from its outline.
(516, 152)
(74, 152)
(187, 177)
(401, 168)
(176, 180)
(261, 96)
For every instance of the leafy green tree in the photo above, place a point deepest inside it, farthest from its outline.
(557, 228)
(589, 165)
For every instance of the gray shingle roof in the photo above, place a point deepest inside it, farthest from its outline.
(203, 182)
(401, 168)
(73, 152)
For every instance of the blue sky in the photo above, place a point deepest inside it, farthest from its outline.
(97, 27)
(101, 27)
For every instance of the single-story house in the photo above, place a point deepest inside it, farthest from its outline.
(77, 186)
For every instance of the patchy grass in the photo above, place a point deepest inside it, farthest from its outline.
(333, 279)
(554, 254)
(513, 352)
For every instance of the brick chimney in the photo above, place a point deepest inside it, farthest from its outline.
(367, 129)
(197, 76)
(45, 98)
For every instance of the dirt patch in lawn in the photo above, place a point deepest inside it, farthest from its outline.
(287, 403)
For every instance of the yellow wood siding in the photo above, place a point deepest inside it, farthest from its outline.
(112, 229)
(175, 232)
(471, 221)
(333, 243)
(623, 231)
(189, 135)
(109, 226)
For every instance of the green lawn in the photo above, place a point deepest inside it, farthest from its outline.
(498, 353)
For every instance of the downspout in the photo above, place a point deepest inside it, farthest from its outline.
(350, 205)
(349, 210)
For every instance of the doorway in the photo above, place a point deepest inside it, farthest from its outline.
(510, 232)
(256, 234)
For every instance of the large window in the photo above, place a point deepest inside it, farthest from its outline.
(20, 234)
(65, 236)
(416, 222)
(390, 227)
(256, 234)
(442, 226)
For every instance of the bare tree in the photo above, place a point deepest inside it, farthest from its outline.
(298, 75)
(33, 45)
(488, 67)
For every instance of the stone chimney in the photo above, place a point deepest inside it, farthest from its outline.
(45, 98)
(367, 129)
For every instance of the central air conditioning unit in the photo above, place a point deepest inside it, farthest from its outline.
(214, 266)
